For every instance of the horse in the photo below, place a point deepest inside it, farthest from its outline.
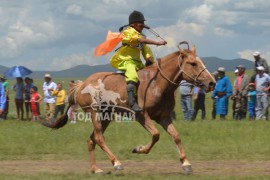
(155, 95)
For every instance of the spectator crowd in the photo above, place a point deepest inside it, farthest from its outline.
(27, 98)
(249, 95)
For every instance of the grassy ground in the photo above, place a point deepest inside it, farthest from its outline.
(203, 141)
(232, 145)
(225, 142)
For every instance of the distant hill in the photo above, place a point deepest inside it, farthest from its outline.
(212, 63)
(3, 69)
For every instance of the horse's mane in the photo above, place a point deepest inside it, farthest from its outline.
(169, 56)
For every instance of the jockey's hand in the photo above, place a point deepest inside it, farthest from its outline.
(148, 63)
(160, 43)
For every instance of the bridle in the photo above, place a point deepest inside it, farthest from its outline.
(180, 62)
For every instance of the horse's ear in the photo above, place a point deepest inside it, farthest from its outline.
(193, 49)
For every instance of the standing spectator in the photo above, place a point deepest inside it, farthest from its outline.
(233, 98)
(259, 62)
(19, 100)
(60, 94)
(27, 96)
(48, 87)
(7, 89)
(199, 102)
(240, 91)
(35, 99)
(251, 101)
(186, 99)
(2, 98)
(215, 75)
(222, 92)
(262, 82)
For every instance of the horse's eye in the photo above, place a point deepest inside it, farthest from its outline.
(193, 64)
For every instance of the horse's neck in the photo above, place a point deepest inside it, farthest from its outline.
(165, 73)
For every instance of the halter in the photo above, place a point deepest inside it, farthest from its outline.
(181, 70)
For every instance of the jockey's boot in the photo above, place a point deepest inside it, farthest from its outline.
(132, 90)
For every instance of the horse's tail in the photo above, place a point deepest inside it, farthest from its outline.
(73, 92)
(56, 124)
(62, 120)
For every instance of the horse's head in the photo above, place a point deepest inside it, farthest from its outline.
(194, 70)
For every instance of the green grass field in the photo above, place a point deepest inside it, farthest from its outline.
(217, 149)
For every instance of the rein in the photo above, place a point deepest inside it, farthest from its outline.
(181, 70)
(163, 75)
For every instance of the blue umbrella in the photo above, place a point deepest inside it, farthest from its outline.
(17, 71)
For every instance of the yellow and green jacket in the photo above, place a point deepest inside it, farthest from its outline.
(130, 51)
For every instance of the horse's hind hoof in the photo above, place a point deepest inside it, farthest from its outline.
(187, 169)
(98, 171)
(118, 167)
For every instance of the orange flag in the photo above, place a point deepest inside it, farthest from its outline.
(112, 40)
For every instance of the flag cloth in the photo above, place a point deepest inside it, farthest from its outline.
(112, 40)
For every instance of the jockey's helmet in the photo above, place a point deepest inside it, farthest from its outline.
(136, 16)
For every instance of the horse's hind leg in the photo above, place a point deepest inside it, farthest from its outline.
(98, 138)
(91, 148)
(147, 123)
(169, 127)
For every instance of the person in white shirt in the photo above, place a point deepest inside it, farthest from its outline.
(262, 82)
(49, 100)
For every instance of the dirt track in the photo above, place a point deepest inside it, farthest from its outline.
(199, 167)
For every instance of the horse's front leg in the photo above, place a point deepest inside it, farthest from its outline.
(147, 123)
(167, 124)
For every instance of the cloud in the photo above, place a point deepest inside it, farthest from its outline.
(246, 54)
(201, 13)
(216, 3)
(74, 9)
(63, 32)
(69, 61)
(20, 37)
(33, 63)
(223, 32)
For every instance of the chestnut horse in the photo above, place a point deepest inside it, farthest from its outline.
(156, 96)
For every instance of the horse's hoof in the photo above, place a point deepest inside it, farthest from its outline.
(98, 171)
(137, 149)
(118, 167)
(187, 169)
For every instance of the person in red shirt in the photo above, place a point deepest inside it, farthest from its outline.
(35, 99)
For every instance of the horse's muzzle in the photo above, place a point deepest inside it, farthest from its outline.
(212, 86)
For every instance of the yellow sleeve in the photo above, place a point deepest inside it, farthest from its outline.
(55, 92)
(63, 96)
(147, 53)
(131, 37)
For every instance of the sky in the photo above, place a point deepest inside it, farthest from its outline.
(60, 34)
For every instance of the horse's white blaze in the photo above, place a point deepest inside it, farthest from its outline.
(199, 59)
